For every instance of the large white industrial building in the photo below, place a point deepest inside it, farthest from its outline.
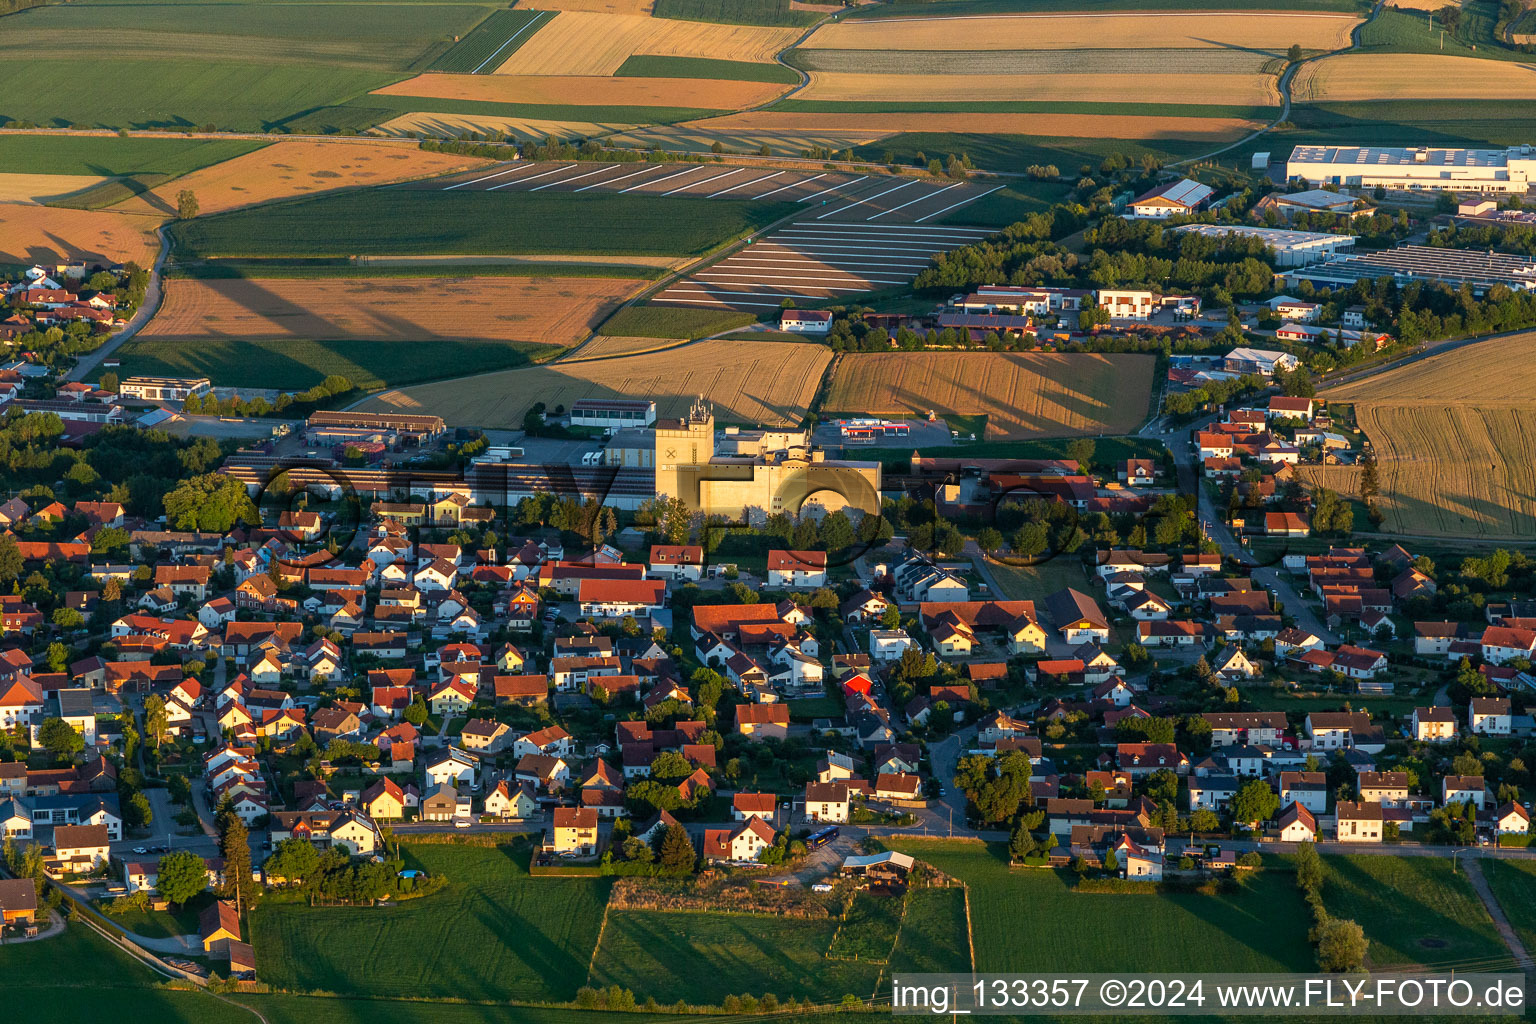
(1461, 170)
(1292, 248)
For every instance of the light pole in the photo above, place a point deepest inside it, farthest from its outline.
(1454, 854)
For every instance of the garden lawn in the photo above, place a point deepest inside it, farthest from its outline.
(494, 933)
(703, 957)
(933, 935)
(1413, 909)
(415, 221)
(1031, 920)
(161, 924)
(297, 364)
(1514, 885)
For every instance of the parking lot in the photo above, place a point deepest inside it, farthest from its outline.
(815, 260)
(868, 198)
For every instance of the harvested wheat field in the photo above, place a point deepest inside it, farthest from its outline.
(553, 311)
(765, 382)
(1455, 471)
(1084, 126)
(296, 168)
(1237, 89)
(600, 347)
(1455, 440)
(1023, 395)
(1402, 76)
(524, 129)
(581, 90)
(580, 43)
(44, 234)
(1272, 31)
(642, 7)
(41, 188)
(1498, 370)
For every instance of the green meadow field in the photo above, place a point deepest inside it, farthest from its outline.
(63, 154)
(1033, 921)
(495, 933)
(419, 221)
(1413, 910)
(297, 364)
(703, 957)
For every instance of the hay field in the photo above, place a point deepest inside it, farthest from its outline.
(642, 7)
(1401, 76)
(583, 43)
(1271, 31)
(293, 168)
(552, 311)
(523, 129)
(1023, 395)
(1236, 89)
(765, 382)
(1084, 126)
(586, 90)
(1455, 440)
(37, 234)
(40, 188)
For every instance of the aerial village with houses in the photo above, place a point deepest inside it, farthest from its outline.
(249, 687)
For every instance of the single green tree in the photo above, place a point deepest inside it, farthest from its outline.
(59, 738)
(186, 204)
(181, 876)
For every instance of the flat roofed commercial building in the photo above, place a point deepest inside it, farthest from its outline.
(612, 412)
(158, 389)
(1482, 270)
(1292, 248)
(1462, 170)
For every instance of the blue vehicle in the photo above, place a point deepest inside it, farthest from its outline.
(822, 837)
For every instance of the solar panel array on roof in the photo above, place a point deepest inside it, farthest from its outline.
(1427, 263)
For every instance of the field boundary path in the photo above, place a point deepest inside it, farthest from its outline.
(153, 294)
(1283, 86)
(1500, 921)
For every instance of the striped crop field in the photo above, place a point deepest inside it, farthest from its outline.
(1399, 76)
(1270, 31)
(1455, 441)
(1035, 62)
(1023, 395)
(1249, 89)
(493, 41)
